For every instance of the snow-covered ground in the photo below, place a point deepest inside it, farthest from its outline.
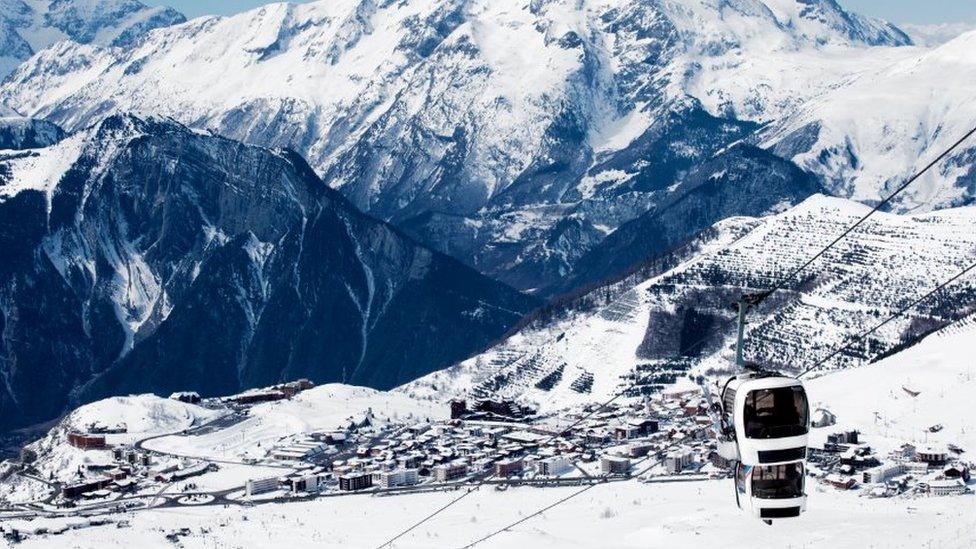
(326, 407)
(42, 170)
(227, 477)
(886, 263)
(876, 399)
(618, 515)
(940, 369)
(143, 416)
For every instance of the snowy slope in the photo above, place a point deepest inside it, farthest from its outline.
(142, 416)
(868, 135)
(28, 26)
(327, 407)
(941, 369)
(600, 345)
(936, 34)
(760, 60)
(883, 266)
(513, 136)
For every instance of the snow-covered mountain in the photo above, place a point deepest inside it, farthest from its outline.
(936, 34)
(869, 135)
(631, 331)
(28, 26)
(742, 180)
(18, 132)
(142, 256)
(513, 136)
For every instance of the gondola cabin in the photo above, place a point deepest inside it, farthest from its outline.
(771, 492)
(770, 416)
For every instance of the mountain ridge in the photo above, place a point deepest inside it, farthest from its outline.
(514, 139)
(635, 335)
(29, 26)
(146, 256)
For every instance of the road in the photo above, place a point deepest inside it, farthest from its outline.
(162, 500)
(221, 497)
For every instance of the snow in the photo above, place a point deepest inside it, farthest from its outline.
(665, 513)
(761, 60)
(593, 185)
(894, 119)
(318, 76)
(618, 515)
(938, 33)
(941, 368)
(38, 24)
(227, 477)
(602, 344)
(142, 415)
(40, 169)
(618, 133)
(888, 262)
(326, 407)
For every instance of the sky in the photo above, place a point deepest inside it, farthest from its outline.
(897, 11)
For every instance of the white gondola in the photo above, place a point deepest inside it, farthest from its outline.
(764, 426)
(770, 416)
(771, 492)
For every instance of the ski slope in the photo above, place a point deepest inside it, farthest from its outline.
(883, 266)
(875, 399)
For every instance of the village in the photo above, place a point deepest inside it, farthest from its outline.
(847, 462)
(665, 437)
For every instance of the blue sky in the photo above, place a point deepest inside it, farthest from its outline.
(898, 11)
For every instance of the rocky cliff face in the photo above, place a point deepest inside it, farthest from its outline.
(143, 256)
(19, 133)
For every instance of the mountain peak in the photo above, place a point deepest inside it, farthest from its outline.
(133, 124)
(515, 138)
(172, 258)
(29, 26)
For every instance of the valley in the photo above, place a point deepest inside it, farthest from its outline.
(458, 273)
(221, 466)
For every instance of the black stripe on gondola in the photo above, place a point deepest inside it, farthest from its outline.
(782, 512)
(790, 454)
